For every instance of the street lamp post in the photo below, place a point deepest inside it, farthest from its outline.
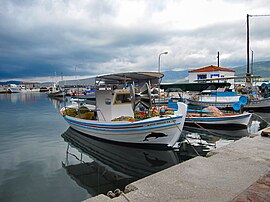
(159, 60)
(164, 53)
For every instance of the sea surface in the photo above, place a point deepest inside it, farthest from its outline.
(42, 159)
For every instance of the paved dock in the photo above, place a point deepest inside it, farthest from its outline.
(237, 172)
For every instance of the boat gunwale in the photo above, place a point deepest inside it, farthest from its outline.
(228, 117)
(222, 118)
(130, 129)
(125, 123)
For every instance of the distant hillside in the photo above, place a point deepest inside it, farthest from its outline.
(10, 82)
(259, 69)
(20, 82)
(174, 76)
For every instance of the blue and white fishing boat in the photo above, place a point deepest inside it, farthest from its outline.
(114, 117)
(227, 100)
(212, 117)
(218, 99)
(228, 121)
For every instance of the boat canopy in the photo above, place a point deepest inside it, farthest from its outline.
(130, 77)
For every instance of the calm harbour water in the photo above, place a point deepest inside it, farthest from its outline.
(43, 160)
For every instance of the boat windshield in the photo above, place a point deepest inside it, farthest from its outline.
(122, 98)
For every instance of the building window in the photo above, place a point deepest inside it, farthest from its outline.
(214, 76)
(201, 76)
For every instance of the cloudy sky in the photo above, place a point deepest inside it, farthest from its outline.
(44, 39)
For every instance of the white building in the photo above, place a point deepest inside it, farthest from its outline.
(211, 72)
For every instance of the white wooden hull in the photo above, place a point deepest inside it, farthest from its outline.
(28, 90)
(153, 131)
(263, 104)
(13, 90)
(219, 99)
(218, 104)
(241, 120)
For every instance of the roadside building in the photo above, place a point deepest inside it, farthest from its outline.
(211, 72)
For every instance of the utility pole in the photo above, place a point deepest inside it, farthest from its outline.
(248, 74)
(218, 58)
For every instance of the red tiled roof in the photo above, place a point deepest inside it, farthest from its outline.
(211, 69)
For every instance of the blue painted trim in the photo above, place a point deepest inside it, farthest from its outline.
(116, 124)
(211, 119)
(124, 130)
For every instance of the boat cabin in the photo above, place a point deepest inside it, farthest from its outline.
(115, 93)
(112, 104)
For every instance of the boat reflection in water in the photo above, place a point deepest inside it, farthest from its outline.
(215, 134)
(100, 166)
(212, 137)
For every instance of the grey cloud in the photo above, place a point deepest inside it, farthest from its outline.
(52, 40)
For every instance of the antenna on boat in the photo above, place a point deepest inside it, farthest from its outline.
(252, 59)
(77, 85)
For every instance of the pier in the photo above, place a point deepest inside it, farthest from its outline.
(239, 171)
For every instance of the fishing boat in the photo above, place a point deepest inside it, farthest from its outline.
(87, 96)
(227, 100)
(259, 105)
(212, 117)
(205, 120)
(13, 88)
(251, 99)
(220, 100)
(29, 87)
(55, 91)
(118, 116)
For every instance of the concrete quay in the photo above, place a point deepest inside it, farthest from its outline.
(237, 172)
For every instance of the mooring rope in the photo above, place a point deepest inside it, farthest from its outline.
(196, 123)
(185, 136)
(261, 118)
(117, 193)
